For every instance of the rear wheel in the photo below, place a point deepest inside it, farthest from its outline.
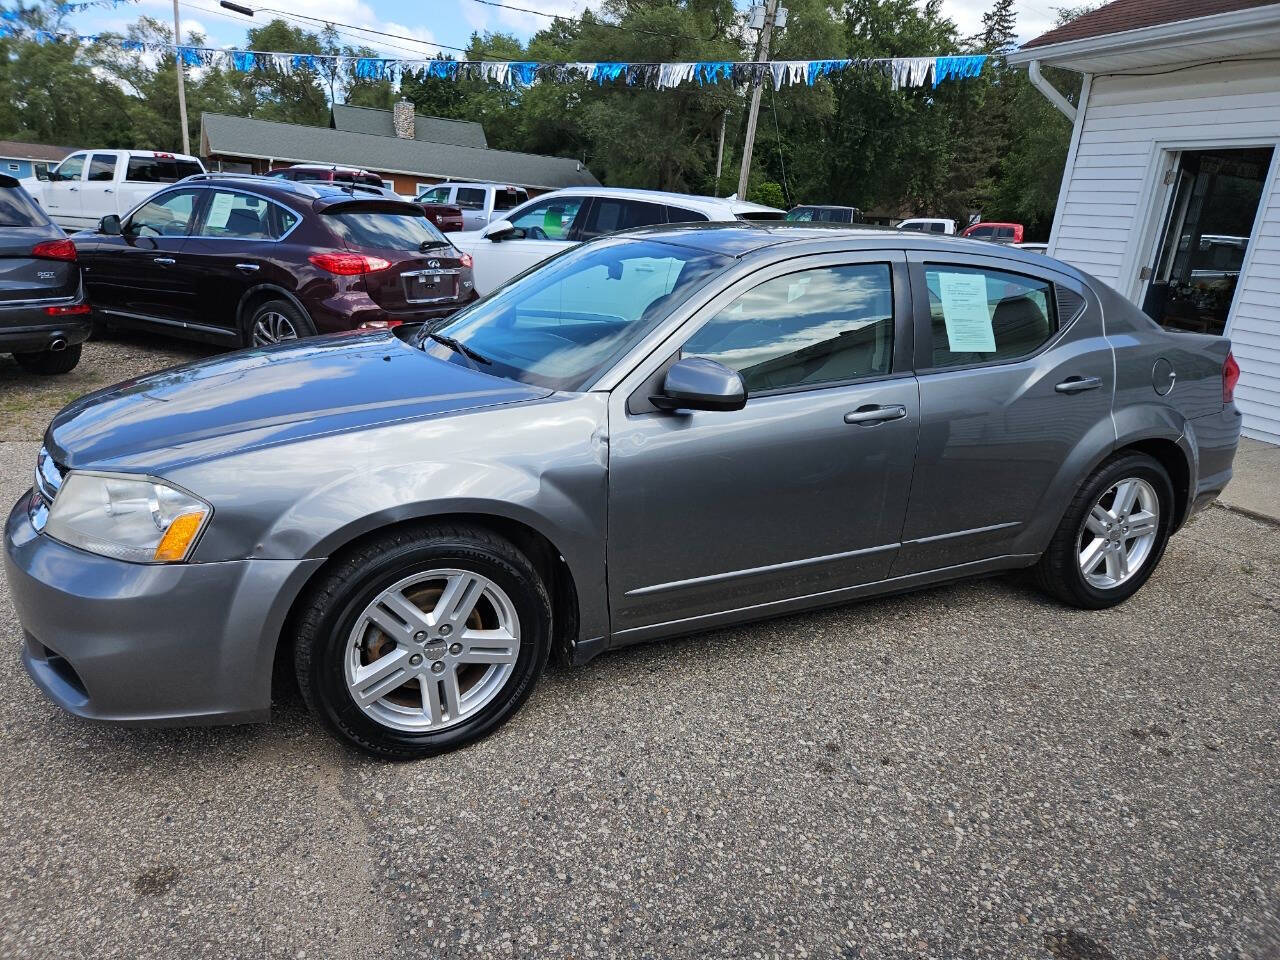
(50, 361)
(1112, 535)
(423, 640)
(276, 321)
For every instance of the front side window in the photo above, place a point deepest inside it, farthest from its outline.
(550, 219)
(436, 195)
(246, 217)
(168, 215)
(609, 215)
(981, 316)
(816, 326)
(102, 167)
(561, 325)
(911, 226)
(982, 233)
(470, 198)
(801, 214)
(69, 169)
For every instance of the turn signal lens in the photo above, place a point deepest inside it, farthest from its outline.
(1230, 377)
(466, 260)
(54, 250)
(348, 264)
(177, 539)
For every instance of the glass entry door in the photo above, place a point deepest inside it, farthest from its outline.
(1204, 237)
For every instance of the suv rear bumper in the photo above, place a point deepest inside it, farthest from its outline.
(349, 311)
(27, 328)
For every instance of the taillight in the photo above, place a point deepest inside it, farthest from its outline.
(466, 260)
(1230, 377)
(348, 264)
(55, 250)
(73, 310)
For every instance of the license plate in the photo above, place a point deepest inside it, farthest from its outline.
(429, 286)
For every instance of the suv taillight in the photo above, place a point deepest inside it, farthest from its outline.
(466, 261)
(54, 250)
(1230, 377)
(348, 264)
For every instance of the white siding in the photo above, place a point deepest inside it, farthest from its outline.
(1105, 224)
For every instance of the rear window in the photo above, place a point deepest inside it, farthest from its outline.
(160, 169)
(762, 215)
(17, 209)
(384, 229)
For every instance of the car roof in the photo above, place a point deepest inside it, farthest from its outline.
(322, 194)
(662, 196)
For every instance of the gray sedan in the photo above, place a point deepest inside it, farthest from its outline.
(656, 433)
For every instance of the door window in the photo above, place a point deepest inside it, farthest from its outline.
(816, 326)
(609, 215)
(168, 215)
(160, 169)
(984, 316)
(937, 228)
(982, 233)
(801, 214)
(508, 199)
(550, 219)
(681, 215)
(69, 169)
(470, 198)
(102, 167)
(246, 217)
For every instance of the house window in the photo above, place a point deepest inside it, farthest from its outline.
(14, 167)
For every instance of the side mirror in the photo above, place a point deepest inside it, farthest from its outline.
(110, 225)
(696, 383)
(499, 230)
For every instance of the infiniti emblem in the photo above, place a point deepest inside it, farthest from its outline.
(433, 264)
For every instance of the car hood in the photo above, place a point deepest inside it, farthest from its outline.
(272, 395)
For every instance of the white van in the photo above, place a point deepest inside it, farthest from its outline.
(929, 225)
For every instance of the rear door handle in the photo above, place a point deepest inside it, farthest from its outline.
(1078, 384)
(247, 267)
(167, 261)
(876, 414)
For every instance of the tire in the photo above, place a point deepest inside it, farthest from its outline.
(340, 635)
(50, 361)
(270, 321)
(1117, 572)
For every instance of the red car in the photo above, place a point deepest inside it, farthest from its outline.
(998, 232)
(446, 216)
(326, 173)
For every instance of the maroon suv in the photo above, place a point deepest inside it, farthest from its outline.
(243, 260)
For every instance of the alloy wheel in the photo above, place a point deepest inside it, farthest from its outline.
(1119, 533)
(432, 650)
(273, 327)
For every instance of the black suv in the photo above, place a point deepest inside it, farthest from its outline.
(43, 314)
(246, 260)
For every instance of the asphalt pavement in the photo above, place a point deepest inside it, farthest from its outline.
(968, 771)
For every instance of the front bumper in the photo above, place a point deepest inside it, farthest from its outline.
(138, 644)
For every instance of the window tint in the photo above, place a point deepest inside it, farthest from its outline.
(937, 228)
(102, 167)
(1004, 233)
(508, 199)
(610, 214)
(681, 215)
(249, 218)
(759, 216)
(438, 195)
(168, 215)
(911, 226)
(470, 198)
(836, 215)
(69, 169)
(981, 316)
(983, 233)
(801, 214)
(816, 326)
(384, 229)
(550, 219)
(17, 209)
(159, 169)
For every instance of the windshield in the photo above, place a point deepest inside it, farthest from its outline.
(561, 324)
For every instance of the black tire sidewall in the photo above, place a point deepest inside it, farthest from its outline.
(326, 677)
(1134, 465)
(49, 363)
(301, 322)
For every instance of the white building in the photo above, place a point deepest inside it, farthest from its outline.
(1171, 192)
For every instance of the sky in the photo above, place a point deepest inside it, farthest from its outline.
(437, 22)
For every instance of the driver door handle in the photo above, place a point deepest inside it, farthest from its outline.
(1078, 384)
(247, 267)
(167, 261)
(870, 414)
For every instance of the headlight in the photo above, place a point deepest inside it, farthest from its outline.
(138, 520)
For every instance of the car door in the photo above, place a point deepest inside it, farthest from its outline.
(542, 229)
(62, 192)
(98, 192)
(801, 492)
(1014, 372)
(141, 276)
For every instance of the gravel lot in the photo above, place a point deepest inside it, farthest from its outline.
(967, 771)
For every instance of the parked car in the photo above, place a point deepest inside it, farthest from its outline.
(44, 316)
(556, 221)
(412, 519)
(929, 225)
(243, 260)
(1033, 247)
(825, 214)
(446, 216)
(997, 232)
(480, 203)
(328, 173)
(91, 184)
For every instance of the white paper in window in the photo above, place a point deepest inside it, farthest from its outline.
(220, 210)
(966, 312)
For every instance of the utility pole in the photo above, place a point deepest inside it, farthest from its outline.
(762, 55)
(724, 120)
(182, 90)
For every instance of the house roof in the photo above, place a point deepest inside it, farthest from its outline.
(371, 120)
(19, 150)
(290, 142)
(1121, 15)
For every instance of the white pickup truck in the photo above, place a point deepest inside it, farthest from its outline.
(89, 184)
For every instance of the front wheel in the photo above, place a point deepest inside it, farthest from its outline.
(1113, 534)
(423, 640)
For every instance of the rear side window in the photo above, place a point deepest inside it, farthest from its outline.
(817, 326)
(609, 215)
(937, 228)
(984, 316)
(681, 215)
(384, 229)
(102, 167)
(17, 209)
(470, 198)
(245, 217)
(508, 199)
(159, 169)
(1004, 233)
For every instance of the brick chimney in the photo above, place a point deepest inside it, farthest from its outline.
(402, 119)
